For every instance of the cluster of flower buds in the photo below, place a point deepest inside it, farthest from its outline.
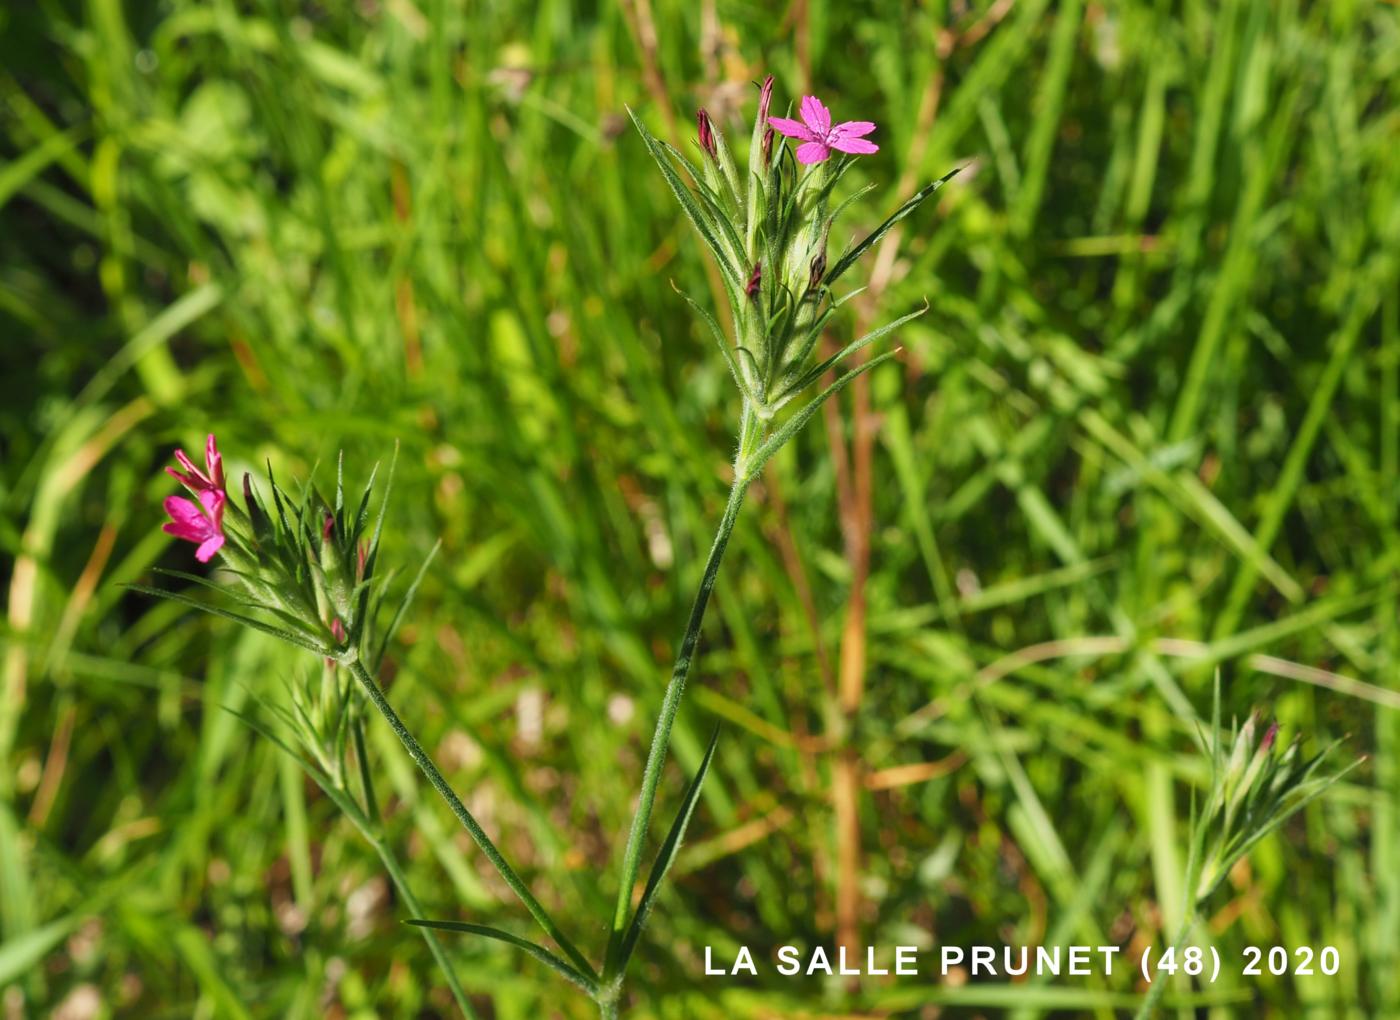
(306, 566)
(303, 571)
(768, 230)
(1255, 788)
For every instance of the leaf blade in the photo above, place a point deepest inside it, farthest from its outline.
(534, 949)
(871, 239)
(665, 858)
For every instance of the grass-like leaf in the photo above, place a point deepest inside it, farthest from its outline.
(820, 369)
(721, 341)
(404, 603)
(248, 621)
(754, 464)
(852, 256)
(664, 859)
(536, 950)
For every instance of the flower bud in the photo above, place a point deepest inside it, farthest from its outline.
(817, 272)
(706, 133)
(767, 148)
(765, 99)
(751, 288)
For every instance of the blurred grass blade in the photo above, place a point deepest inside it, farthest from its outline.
(18, 955)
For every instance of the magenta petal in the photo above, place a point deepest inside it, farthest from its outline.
(208, 548)
(856, 145)
(817, 116)
(213, 461)
(812, 152)
(792, 128)
(185, 461)
(187, 481)
(853, 129)
(183, 514)
(213, 502)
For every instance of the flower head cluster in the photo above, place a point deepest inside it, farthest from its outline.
(308, 564)
(768, 230)
(1255, 788)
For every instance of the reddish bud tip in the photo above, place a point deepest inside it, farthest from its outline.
(767, 146)
(765, 98)
(817, 271)
(1270, 736)
(706, 133)
(327, 528)
(755, 281)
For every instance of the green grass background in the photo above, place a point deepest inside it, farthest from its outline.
(1149, 429)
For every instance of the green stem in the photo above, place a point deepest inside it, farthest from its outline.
(424, 763)
(1159, 987)
(391, 865)
(749, 435)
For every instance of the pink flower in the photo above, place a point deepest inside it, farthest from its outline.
(819, 137)
(202, 524)
(211, 479)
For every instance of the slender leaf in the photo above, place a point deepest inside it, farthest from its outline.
(247, 621)
(664, 859)
(850, 258)
(819, 370)
(794, 424)
(536, 950)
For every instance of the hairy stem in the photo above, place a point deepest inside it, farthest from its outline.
(425, 764)
(749, 434)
